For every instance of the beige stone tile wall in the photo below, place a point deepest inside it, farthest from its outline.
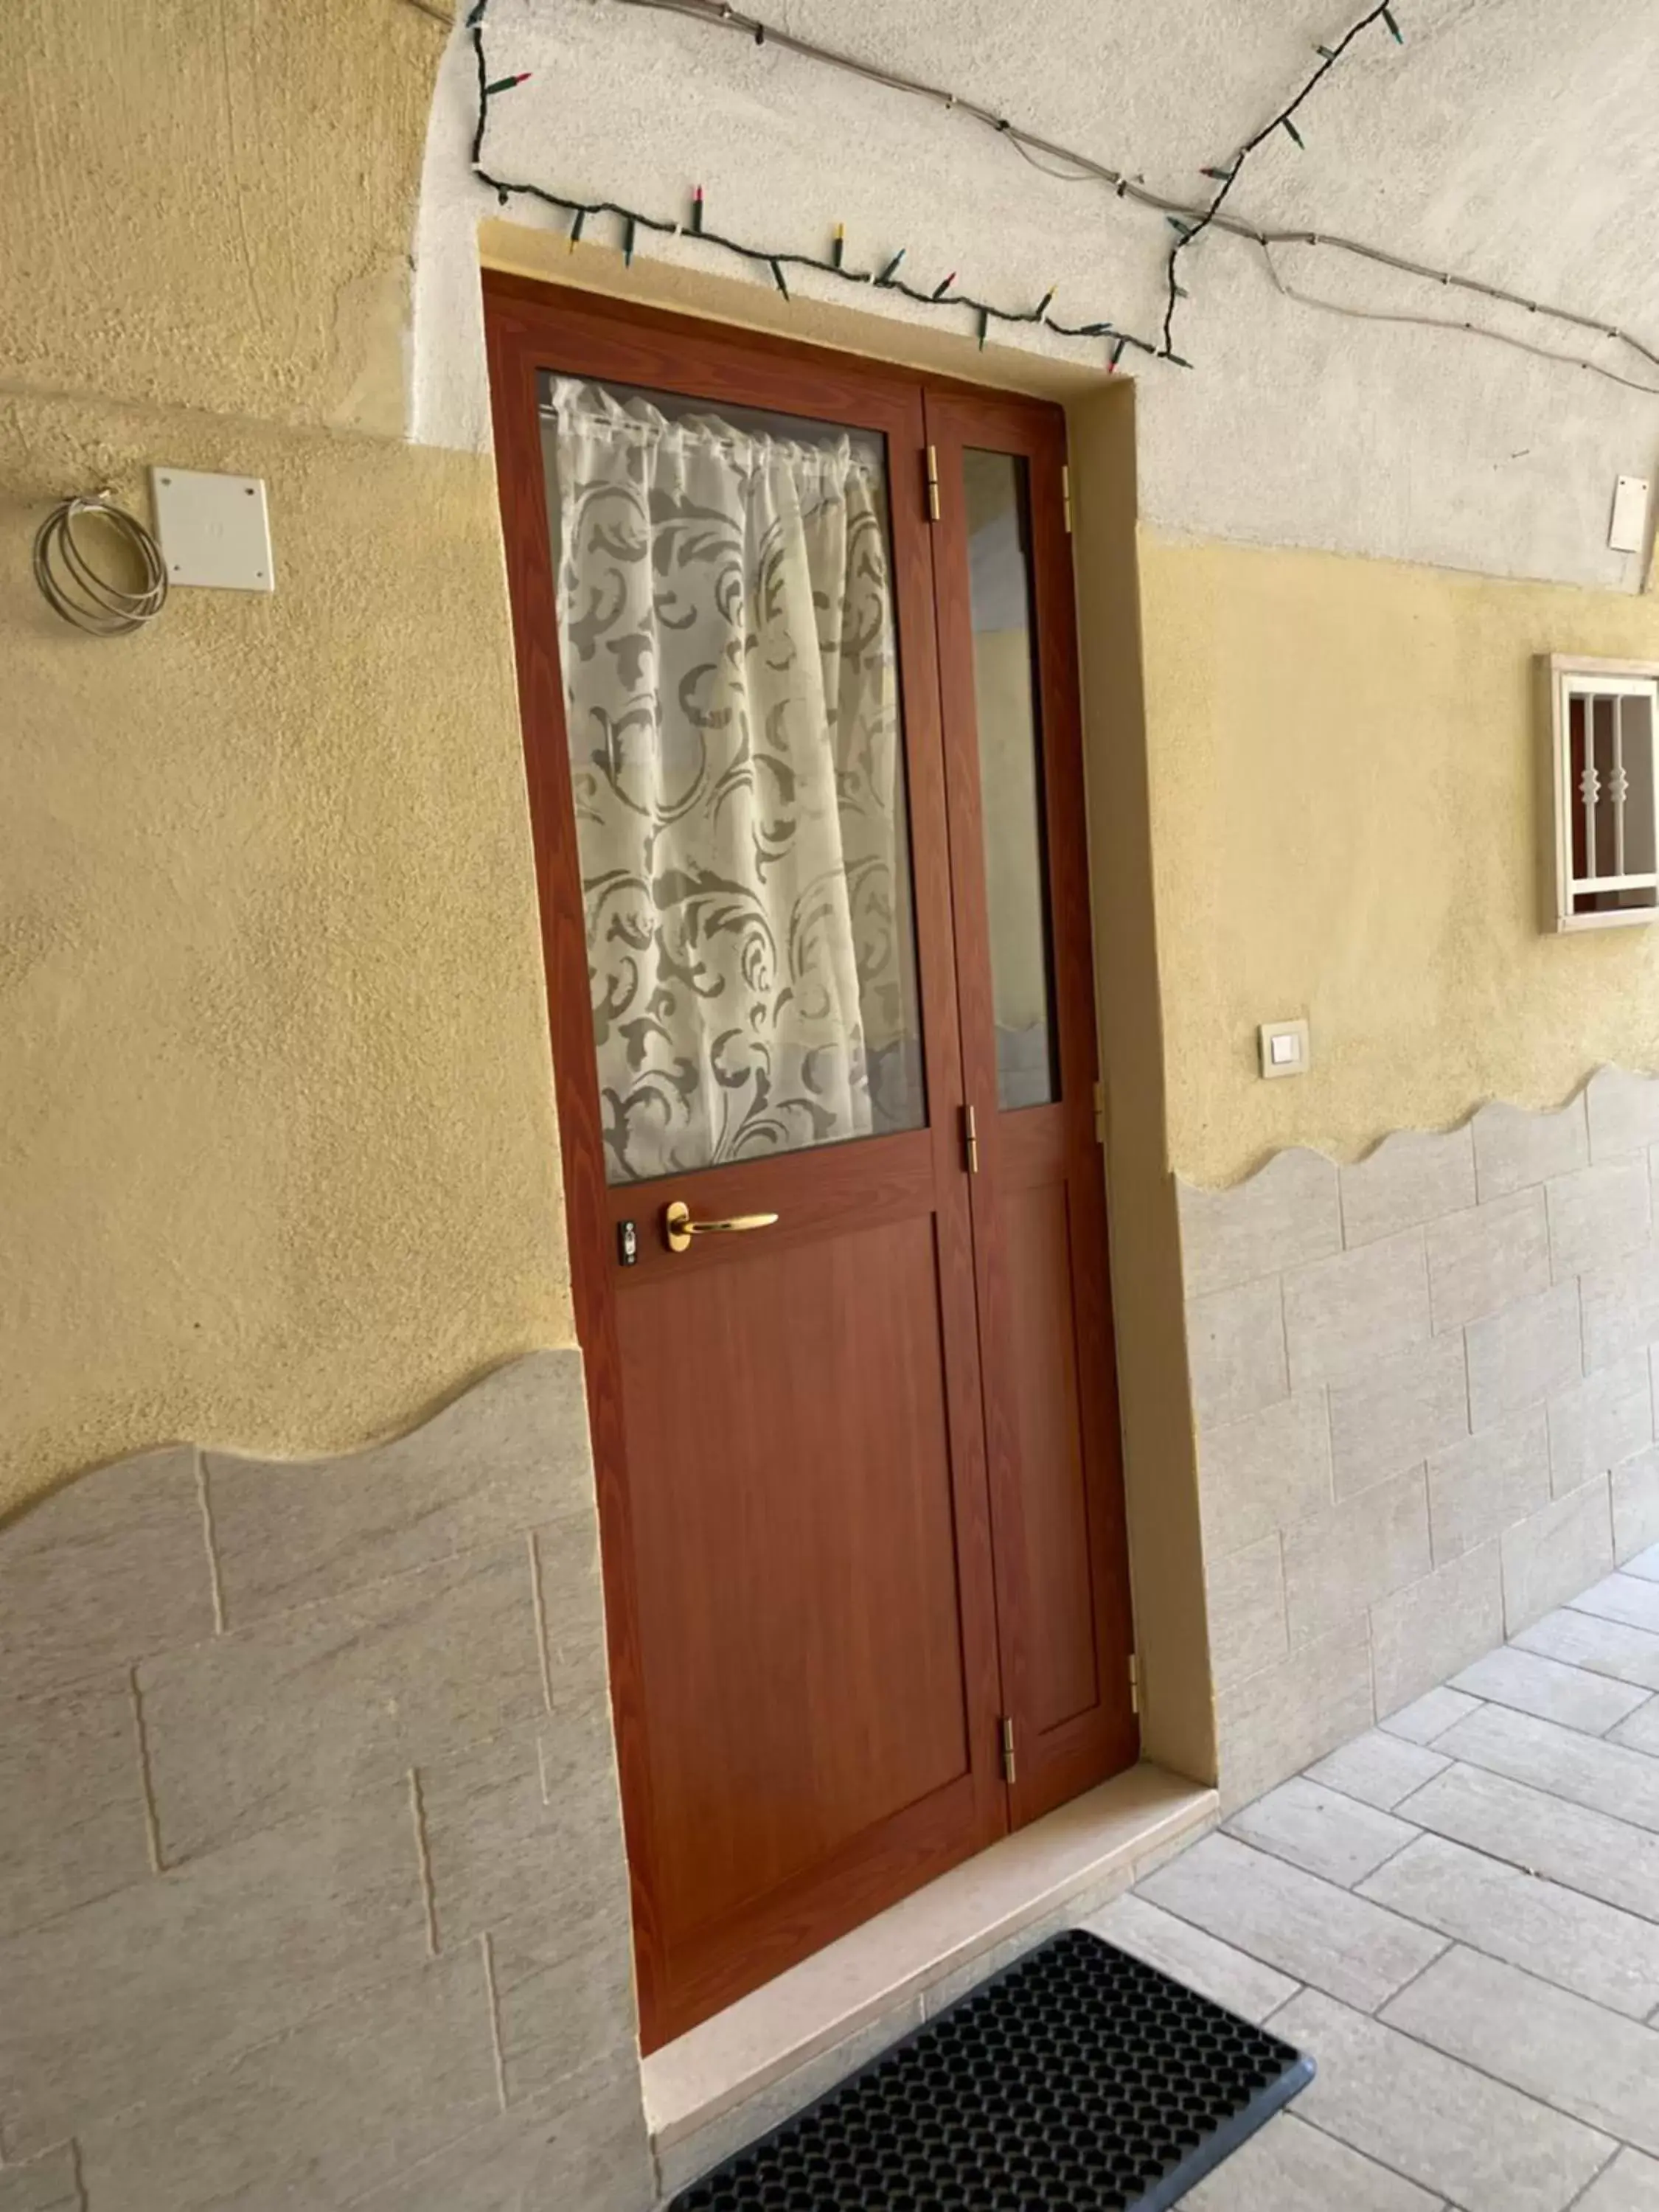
(1424, 1386)
(312, 1880)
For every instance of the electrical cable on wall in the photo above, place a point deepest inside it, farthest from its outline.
(1189, 220)
(1082, 169)
(1414, 321)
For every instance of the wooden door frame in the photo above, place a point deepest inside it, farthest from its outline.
(530, 327)
(1034, 431)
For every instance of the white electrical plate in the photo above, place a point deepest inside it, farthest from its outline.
(1283, 1048)
(1628, 530)
(213, 530)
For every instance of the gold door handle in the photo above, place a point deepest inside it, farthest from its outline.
(679, 1229)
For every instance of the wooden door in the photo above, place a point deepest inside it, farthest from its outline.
(786, 1420)
(1014, 773)
(859, 1491)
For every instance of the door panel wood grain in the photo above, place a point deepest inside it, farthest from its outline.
(787, 1424)
(1065, 1667)
(1040, 1231)
(859, 1491)
(835, 1588)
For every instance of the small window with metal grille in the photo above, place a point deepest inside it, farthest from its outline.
(1604, 720)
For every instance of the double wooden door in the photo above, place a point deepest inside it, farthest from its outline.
(798, 677)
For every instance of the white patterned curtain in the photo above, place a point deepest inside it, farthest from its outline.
(726, 632)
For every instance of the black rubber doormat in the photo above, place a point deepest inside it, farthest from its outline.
(1078, 2080)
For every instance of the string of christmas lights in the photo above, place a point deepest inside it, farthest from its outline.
(1189, 221)
(1188, 234)
(777, 262)
(1070, 167)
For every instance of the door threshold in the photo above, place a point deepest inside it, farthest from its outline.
(913, 1959)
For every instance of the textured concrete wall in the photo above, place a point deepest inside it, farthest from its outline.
(1425, 1392)
(312, 1885)
(1512, 153)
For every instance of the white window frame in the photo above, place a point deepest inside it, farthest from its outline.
(1571, 676)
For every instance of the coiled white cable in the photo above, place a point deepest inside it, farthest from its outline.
(74, 588)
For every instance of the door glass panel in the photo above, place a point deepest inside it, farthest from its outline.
(729, 647)
(1011, 777)
(1637, 852)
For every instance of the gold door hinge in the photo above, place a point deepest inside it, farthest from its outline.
(970, 1140)
(1134, 1683)
(1005, 1739)
(1100, 1112)
(1065, 493)
(933, 484)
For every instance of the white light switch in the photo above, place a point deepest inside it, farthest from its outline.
(1627, 532)
(213, 530)
(1284, 1048)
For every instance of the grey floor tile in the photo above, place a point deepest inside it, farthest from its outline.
(1553, 1932)
(1428, 1717)
(1291, 2167)
(1543, 2041)
(1629, 2183)
(1608, 1778)
(1307, 1927)
(1321, 1830)
(1641, 1731)
(1378, 1769)
(1623, 1597)
(1645, 1563)
(1571, 1695)
(1603, 1647)
(1584, 1851)
(1198, 1961)
(1451, 2129)
(44, 2185)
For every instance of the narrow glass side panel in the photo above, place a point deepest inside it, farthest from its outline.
(1005, 701)
(729, 647)
(1636, 749)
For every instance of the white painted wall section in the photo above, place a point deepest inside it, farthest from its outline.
(1513, 142)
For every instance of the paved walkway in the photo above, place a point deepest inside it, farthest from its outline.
(1458, 1915)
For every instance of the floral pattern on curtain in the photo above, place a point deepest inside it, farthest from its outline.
(727, 634)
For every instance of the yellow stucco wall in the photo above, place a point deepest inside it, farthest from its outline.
(1345, 800)
(277, 1159)
(208, 202)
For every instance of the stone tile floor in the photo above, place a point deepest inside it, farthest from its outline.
(1458, 1915)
